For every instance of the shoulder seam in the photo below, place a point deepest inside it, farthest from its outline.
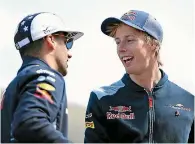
(108, 90)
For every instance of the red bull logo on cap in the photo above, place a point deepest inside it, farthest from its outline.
(130, 15)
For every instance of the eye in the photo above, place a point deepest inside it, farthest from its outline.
(130, 40)
(117, 42)
(69, 43)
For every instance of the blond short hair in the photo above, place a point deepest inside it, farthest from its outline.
(111, 29)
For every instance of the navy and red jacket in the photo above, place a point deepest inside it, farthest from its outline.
(125, 112)
(34, 106)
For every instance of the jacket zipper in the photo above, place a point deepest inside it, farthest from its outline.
(151, 115)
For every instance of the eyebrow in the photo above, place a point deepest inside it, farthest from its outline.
(125, 36)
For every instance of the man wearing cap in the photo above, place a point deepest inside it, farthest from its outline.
(143, 106)
(34, 106)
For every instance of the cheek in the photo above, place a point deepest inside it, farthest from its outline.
(63, 50)
(141, 54)
(62, 54)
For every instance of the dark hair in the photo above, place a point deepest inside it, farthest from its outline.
(35, 47)
(32, 48)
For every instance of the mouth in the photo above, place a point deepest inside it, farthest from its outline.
(127, 59)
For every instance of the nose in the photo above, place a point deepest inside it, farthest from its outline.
(122, 48)
(69, 55)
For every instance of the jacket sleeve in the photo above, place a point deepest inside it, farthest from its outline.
(95, 123)
(191, 136)
(37, 108)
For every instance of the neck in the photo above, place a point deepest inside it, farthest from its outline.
(148, 79)
(49, 60)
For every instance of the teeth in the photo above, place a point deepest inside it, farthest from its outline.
(126, 58)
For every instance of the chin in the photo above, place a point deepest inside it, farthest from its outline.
(63, 72)
(133, 71)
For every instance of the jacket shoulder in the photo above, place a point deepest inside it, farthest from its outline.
(108, 90)
(36, 69)
(180, 90)
(38, 74)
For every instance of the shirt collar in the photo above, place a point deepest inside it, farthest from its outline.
(128, 81)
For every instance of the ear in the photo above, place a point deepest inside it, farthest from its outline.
(154, 46)
(50, 42)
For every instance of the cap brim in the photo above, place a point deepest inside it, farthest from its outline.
(73, 34)
(111, 20)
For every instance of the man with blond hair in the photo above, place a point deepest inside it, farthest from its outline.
(144, 106)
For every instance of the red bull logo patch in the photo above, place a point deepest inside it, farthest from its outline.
(121, 112)
(46, 86)
(120, 108)
(120, 116)
(43, 94)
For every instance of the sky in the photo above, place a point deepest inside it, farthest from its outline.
(95, 62)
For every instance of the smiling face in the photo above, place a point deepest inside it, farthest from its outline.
(133, 50)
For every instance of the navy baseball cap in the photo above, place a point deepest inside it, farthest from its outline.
(39, 25)
(140, 20)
